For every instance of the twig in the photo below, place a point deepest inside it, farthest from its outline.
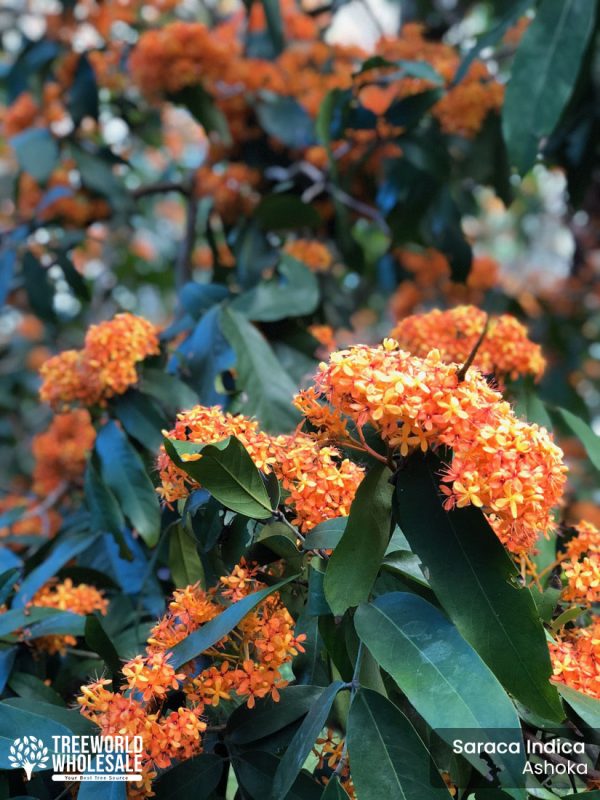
(463, 370)
(161, 187)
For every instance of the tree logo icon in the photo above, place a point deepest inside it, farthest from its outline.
(28, 752)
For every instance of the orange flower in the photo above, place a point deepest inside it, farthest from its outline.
(311, 252)
(576, 658)
(106, 366)
(61, 451)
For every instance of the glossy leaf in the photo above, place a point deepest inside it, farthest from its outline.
(326, 535)
(477, 585)
(543, 75)
(294, 292)
(303, 742)
(355, 562)
(99, 642)
(140, 418)
(428, 659)
(588, 438)
(267, 388)
(387, 755)
(586, 707)
(196, 778)
(184, 561)
(125, 475)
(267, 717)
(226, 471)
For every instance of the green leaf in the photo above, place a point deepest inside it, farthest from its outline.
(16, 723)
(226, 471)
(326, 535)
(355, 562)
(293, 292)
(530, 406)
(585, 434)
(214, 630)
(586, 707)
(105, 514)
(124, 473)
(267, 388)
(303, 742)
(204, 110)
(26, 685)
(40, 291)
(286, 120)
(267, 717)
(37, 152)
(140, 418)
(98, 176)
(198, 778)
(69, 717)
(286, 212)
(254, 772)
(184, 561)
(334, 790)
(16, 618)
(170, 393)
(543, 75)
(477, 584)
(73, 277)
(99, 642)
(274, 24)
(387, 756)
(429, 660)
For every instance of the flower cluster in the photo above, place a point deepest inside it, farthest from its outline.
(510, 469)
(246, 663)
(506, 350)
(311, 252)
(232, 189)
(105, 367)
(31, 519)
(61, 451)
(67, 596)
(581, 565)
(576, 658)
(320, 484)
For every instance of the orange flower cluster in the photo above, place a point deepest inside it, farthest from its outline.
(77, 208)
(67, 596)
(582, 565)
(319, 483)
(510, 469)
(330, 751)
(245, 663)
(463, 107)
(181, 54)
(311, 252)
(232, 189)
(576, 658)
(61, 451)
(506, 350)
(105, 367)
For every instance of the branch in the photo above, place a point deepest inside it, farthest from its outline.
(462, 372)
(160, 188)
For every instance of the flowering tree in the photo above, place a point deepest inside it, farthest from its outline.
(300, 470)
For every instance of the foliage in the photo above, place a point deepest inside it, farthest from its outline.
(299, 464)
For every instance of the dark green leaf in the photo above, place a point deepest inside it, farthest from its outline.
(105, 514)
(213, 631)
(196, 778)
(387, 756)
(83, 95)
(334, 790)
(355, 562)
(274, 24)
(586, 707)
(40, 291)
(255, 770)
(587, 437)
(477, 584)
(543, 75)
(124, 473)
(29, 686)
(140, 418)
(268, 389)
(267, 717)
(202, 107)
(73, 277)
(71, 718)
(225, 470)
(293, 292)
(98, 641)
(37, 152)
(286, 211)
(171, 394)
(286, 120)
(326, 535)
(303, 742)
(428, 659)
(184, 561)
(16, 723)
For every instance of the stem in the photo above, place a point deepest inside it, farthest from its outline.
(370, 450)
(463, 370)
